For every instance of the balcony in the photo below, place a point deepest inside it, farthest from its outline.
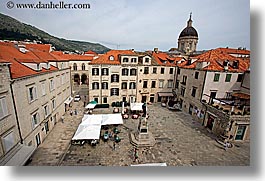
(237, 105)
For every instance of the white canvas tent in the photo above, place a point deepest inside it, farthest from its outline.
(90, 126)
(87, 132)
(136, 106)
(108, 119)
(90, 106)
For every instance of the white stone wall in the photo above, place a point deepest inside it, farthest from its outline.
(221, 86)
(7, 123)
(27, 108)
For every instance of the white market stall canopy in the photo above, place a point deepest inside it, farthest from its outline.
(87, 131)
(108, 119)
(90, 126)
(136, 106)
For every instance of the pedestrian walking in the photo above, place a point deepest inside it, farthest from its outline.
(226, 145)
(75, 112)
(85, 104)
(114, 145)
(136, 155)
(71, 113)
(62, 119)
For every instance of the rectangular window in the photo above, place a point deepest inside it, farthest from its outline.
(216, 77)
(125, 72)
(171, 70)
(161, 83)
(32, 93)
(162, 70)
(105, 100)
(43, 88)
(114, 92)
(154, 70)
(105, 85)
(146, 70)
(153, 84)
(105, 71)
(95, 71)
(196, 76)
(193, 93)
(170, 84)
(52, 85)
(35, 120)
(53, 104)
(3, 108)
(115, 78)
(95, 85)
(145, 84)
(46, 110)
(133, 72)
(184, 79)
(9, 141)
(240, 77)
(228, 77)
(38, 139)
(146, 60)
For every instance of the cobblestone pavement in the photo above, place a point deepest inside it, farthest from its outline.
(180, 141)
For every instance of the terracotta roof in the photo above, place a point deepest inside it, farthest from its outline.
(40, 47)
(216, 59)
(91, 52)
(163, 58)
(105, 58)
(235, 51)
(10, 53)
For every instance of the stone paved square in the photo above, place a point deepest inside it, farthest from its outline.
(180, 141)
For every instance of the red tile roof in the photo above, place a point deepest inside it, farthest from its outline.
(9, 52)
(90, 52)
(105, 58)
(163, 58)
(216, 59)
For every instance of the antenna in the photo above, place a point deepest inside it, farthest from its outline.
(118, 46)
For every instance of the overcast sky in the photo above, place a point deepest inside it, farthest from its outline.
(143, 24)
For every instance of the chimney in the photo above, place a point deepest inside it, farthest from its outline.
(156, 50)
(225, 64)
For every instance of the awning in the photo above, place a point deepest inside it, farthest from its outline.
(136, 106)
(109, 119)
(87, 132)
(21, 156)
(68, 100)
(165, 94)
(90, 106)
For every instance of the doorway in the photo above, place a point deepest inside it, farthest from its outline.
(144, 99)
(240, 132)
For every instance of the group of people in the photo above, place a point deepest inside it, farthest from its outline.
(73, 112)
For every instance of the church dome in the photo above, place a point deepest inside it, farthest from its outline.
(189, 30)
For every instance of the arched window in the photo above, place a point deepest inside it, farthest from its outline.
(75, 66)
(83, 66)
